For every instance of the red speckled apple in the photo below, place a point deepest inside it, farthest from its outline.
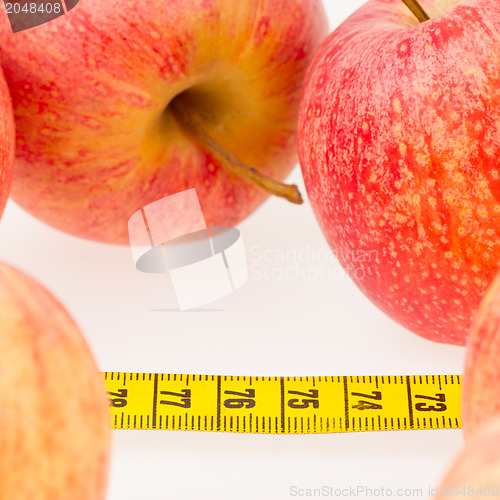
(399, 143)
(475, 472)
(481, 386)
(120, 103)
(54, 412)
(7, 142)
(477, 466)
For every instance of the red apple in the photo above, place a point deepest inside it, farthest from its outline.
(476, 469)
(120, 103)
(475, 472)
(7, 142)
(481, 385)
(54, 412)
(399, 143)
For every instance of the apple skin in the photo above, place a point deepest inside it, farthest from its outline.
(476, 468)
(95, 140)
(399, 146)
(54, 410)
(478, 463)
(7, 142)
(481, 385)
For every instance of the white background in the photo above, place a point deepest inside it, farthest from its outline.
(276, 326)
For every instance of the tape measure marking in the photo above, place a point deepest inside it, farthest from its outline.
(283, 405)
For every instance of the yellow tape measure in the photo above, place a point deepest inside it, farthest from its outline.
(283, 405)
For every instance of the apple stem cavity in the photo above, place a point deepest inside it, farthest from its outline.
(250, 174)
(417, 10)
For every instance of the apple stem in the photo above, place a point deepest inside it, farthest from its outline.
(288, 191)
(417, 10)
